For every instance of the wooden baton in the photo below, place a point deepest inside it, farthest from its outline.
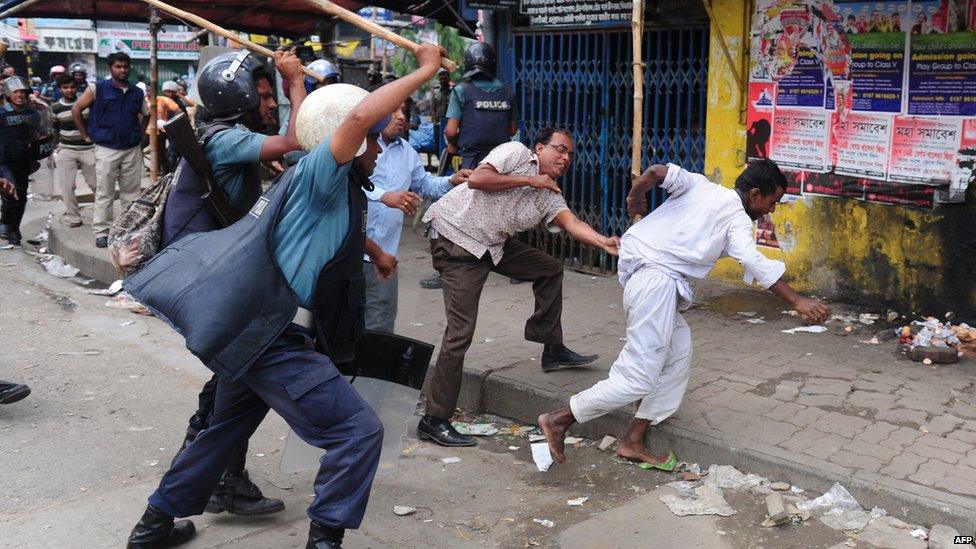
(217, 29)
(374, 28)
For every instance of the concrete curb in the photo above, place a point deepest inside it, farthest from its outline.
(496, 392)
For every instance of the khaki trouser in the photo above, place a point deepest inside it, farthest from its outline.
(69, 160)
(111, 165)
(464, 277)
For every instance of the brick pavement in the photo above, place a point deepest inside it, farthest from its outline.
(823, 406)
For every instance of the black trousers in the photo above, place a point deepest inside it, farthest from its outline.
(12, 210)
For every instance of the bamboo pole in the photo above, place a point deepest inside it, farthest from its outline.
(153, 86)
(637, 132)
(17, 8)
(373, 28)
(217, 29)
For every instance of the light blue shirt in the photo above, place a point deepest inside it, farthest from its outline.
(398, 168)
(313, 221)
(230, 152)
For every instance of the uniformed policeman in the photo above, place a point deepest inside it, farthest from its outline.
(249, 299)
(239, 96)
(482, 113)
(20, 125)
(80, 74)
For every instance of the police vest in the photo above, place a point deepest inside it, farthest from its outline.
(225, 294)
(186, 211)
(113, 121)
(16, 134)
(485, 117)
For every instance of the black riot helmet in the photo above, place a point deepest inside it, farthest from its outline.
(480, 58)
(78, 68)
(227, 85)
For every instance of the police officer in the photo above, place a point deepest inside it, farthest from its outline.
(240, 107)
(288, 272)
(80, 74)
(481, 114)
(20, 125)
(51, 91)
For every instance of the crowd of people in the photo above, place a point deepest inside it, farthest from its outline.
(296, 273)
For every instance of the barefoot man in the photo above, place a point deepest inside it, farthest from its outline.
(699, 223)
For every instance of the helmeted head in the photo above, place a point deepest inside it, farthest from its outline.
(16, 90)
(324, 68)
(761, 186)
(56, 71)
(79, 71)
(322, 112)
(170, 88)
(444, 80)
(554, 148)
(233, 85)
(480, 59)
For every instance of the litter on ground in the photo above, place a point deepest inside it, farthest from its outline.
(809, 329)
(449, 460)
(541, 456)
(475, 429)
(577, 502)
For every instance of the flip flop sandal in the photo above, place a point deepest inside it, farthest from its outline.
(666, 466)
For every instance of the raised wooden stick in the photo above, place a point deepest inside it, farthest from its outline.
(217, 29)
(637, 132)
(374, 28)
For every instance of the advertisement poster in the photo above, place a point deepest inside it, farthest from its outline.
(759, 120)
(859, 144)
(965, 166)
(942, 75)
(895, 194)
(172, 45)
(766, 232)
(800, 138)
(837, 186)
(804, 86)
(923, 150)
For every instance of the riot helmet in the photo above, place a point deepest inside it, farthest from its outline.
(480, 58)
(226, 85)
(78, 68)
(323, 68)
(14, 83)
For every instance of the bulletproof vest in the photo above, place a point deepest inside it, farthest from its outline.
(225, 294)
(186, 211)
(113, 121)
(16, 133)
(485, 117)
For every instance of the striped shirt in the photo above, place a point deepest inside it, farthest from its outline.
(68, 133)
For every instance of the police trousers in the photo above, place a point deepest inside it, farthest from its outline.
(305, 388)
(12, 209)
(655, 364)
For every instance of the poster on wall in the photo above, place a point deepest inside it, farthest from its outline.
(896, 194)
(759, 120)
(828, 184)
(799, 140)
(942, 74)
(923, 150)
(876, 32)
(965, 165)
(859, 144)
(804, 86)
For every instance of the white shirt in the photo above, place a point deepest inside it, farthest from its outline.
(699, 223)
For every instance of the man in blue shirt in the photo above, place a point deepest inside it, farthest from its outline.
(399, 182)
(289, 271)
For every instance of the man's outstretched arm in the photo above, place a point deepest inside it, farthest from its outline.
(582, 232)
(810, 309)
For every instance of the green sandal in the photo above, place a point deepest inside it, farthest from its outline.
(667, 466)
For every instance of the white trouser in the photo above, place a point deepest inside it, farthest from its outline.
(654, 364)
(111, 166)
(69, 160)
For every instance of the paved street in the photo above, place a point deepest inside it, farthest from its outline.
(112, 390)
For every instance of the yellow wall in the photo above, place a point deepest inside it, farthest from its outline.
(843, 247)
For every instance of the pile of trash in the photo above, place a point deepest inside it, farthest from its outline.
(933, 333)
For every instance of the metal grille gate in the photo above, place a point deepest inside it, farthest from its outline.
(582, 81)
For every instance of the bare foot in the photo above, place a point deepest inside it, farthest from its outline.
(555, 433)
(636, 451)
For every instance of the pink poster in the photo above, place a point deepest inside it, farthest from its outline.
(859, 144)
(759, 119)
(800, 138)
(923, 150)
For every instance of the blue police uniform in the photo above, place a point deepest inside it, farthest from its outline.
(16, 129)
(485, 108)
(233, 294)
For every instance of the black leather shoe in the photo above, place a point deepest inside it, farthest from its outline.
(156, 530)
(323, 537)
(442, 432)
(559, 357)
(101, 242)
(433, 283)
(12, 392)
(237, 495)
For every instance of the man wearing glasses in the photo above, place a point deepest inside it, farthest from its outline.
(513, 189)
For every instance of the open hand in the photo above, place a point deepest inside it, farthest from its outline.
(811, 310)
(385, 266)
(544, 182)
(405, 201)
(461, 176)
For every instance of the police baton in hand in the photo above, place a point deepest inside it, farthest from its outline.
(217, 29)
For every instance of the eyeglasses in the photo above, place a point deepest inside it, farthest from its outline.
(561, 149)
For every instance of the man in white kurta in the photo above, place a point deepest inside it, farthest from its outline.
(699, 223)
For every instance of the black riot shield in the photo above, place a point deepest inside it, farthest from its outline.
(391, 358)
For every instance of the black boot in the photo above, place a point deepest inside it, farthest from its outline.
(323, 537)
(442, 432)
(559, 357)
(12, 392)
(156, 530)
(237, 495)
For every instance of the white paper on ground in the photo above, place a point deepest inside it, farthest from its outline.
(809, 329)
(541, 456)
